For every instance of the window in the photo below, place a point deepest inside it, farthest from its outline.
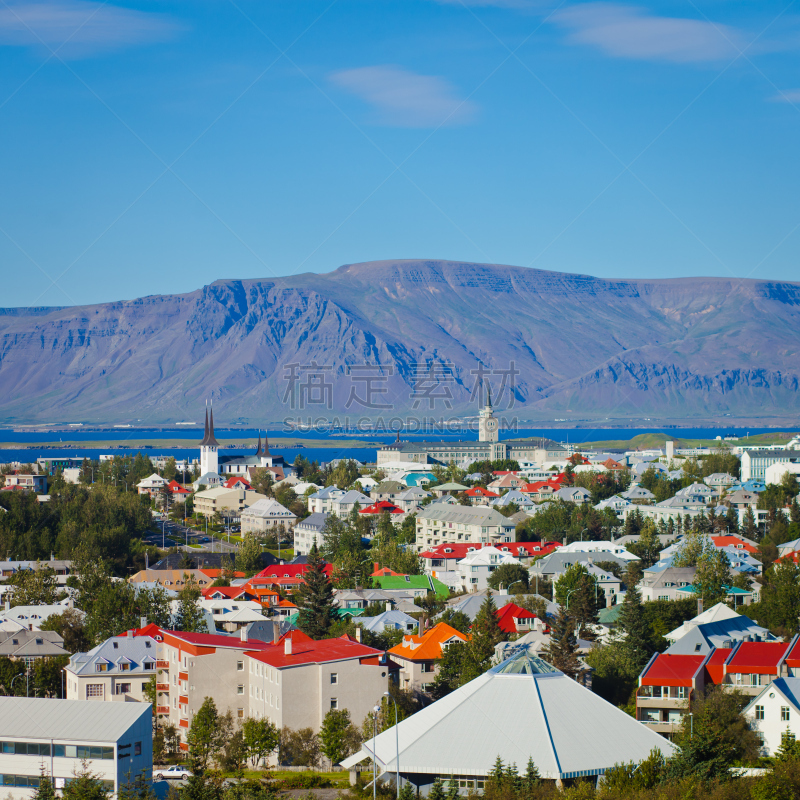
(116, 645)
(698, 647)
(148, 665)
(240, 666)
(240, 689)
(334, 677)
(759, 712)
(683, 692)
(755, 680)
(334, 703)
(137, 748)
(784, 713)
(124, 667)
(123, 688)
(101, 667)
(94, 690)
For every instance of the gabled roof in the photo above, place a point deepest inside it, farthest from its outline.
(510, 612)
(380, 507)
(671, 670)
(289, 571)
(308, 651)
(427, 647)
(758, 657)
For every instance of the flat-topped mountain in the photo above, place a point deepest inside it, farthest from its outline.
(570, 344)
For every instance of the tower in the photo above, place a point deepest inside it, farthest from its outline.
(487, 424)
(209, 458)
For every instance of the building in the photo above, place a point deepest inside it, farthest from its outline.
(59, 736)
(600, 550)
(321, 502)
(309, 531)
(445, 557)
(523, 708)
(227, 502)
(439, 524)
(755, 462)
(664, 584)
(476, 567)
(773, 711)
(154, 485)
(28, 483)
(117, 669)
(389, 621)
(174, 579)
(515, 619)
(264, 515)
(419, 656)
(28, 646)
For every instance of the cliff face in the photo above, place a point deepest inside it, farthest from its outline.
(578, 344)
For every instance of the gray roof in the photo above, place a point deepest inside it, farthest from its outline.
(388, 487)
(74, 720)
(470, 515)
(558, 562)
(31, 644)
(723, 633)
(314, 522)
(352, 496)
(393, 620)
(132, 650)
(523, 708)
(678, 576)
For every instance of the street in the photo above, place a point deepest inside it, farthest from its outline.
(175, 534)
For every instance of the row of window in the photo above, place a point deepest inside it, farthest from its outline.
(59, 750)
(784, 713)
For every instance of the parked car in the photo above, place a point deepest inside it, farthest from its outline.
(173, 773)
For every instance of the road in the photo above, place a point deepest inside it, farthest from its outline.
(177, 535)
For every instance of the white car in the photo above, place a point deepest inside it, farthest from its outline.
(173, 773)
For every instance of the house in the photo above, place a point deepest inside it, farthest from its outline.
(388, 490)
(389, 621)
(733, 594)
(517, 498)
(355, 599)
(309, 531)
(719, 480)
(616, 503)
(232, 615)
(740, 499)
(664, 584)
(445, 557)
(154, 485)
(540, 490)
(506, 480)
(320, 502)
(418, 656)
(479, 496)
(345, 503)
(437, 524)
(377, 509)
(31, 617)
(773, 711)
(27, 646)
(565, 728)
(228, 502)
(228, 593)
(118, 669)
(476, 567)
(448, 488)
(266, 515)
(30, 482)
(600, 550)
(752, 665)
(698, 492)
(573, 494)
(638, 495)
(62, 737)
(553, 566)
(416, 585)
(176, 492)
(755, 462)
(410, 499)
(514, 619)
(172, 578)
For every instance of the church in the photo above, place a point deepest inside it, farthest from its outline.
(487, 448)
(216, 469)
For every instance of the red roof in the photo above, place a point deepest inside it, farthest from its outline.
(289, 571)
(200, 639)
(508, 613)
(479, 491)
(715, 664)
(672, 670)
(793, 659)
(307, 651)
(733, 541)
(175, 488)
(380, 507)
(459, 550)
(757, 657)
(536, 486)
(227, 592)
(385, 572)
(215, 573)
(231, 482)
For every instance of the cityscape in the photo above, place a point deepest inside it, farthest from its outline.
(399, 400)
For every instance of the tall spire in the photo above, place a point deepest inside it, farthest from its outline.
(258, 452)
(265, 451)
(205, 429)
(208, 438)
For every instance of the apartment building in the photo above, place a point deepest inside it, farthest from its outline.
(265, 515)
(439, 524)
(225, 501)
(755, 462)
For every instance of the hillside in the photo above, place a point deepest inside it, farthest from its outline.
(681, 348)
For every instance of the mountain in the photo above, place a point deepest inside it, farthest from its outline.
(578, 346)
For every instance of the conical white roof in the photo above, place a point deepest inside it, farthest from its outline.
(523, 708)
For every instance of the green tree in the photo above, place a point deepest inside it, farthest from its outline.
(456, 619)
(436, 791)
(205, 736)
(33, 587)
(632, 623)
(45, 790)
(248, 558)
(314, 598)
(648, 547)
(338, 736)
(85, 786)
(407, 790)
(562, 651)
(712, 577)
(779, 608)
(190, 617)
(260, 737)
(300, 748)
(70, 627)
(507, 575)
(789, 749)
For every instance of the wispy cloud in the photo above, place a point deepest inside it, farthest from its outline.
(631, 32)
(80, 27)
(403, 98)
(786, 96)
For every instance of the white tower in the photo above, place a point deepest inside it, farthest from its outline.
(209, 458)
(487, 424)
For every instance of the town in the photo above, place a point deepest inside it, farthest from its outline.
(507, 618)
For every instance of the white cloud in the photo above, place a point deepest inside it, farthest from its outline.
(786, 96)
(406, 99)
(79, 28)
(630, 32)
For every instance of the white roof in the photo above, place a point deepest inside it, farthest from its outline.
(599, 547)
(521, 709)
(266, 508)
(716, 613)
(485, 556)
(77, 720)
(153, 480)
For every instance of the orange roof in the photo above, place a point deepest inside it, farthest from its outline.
(286, 604)
(215, 573)
(715, 666)
(427, 647)
(733, 541)
(384, 572)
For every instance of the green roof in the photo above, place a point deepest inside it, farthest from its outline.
(450, 487)
(608, 616)
(342, 613)
(412, 582)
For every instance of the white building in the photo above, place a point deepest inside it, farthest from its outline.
(600, 548)
(308, 531)
(774, 711)
(264, 515)
(320, 502)
(439, 523)
(755, 462)
(115, 742)
(475, 568)
(775, 472)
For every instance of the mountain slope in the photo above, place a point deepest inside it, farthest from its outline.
(577, 345)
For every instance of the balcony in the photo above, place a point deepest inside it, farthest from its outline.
(162, 687)
(184, 723)
(661, 702)
(183, 700)
(162, 709)
(183, 676)
(663, 727)
(162, 664)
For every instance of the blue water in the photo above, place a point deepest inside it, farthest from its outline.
(192, 436)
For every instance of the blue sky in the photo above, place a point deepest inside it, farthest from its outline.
(153, 147)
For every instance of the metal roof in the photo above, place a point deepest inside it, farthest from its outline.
(74, 720)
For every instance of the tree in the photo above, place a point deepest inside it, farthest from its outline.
(456, 619)
(300, 748)
(648, 547)
(749, 527)
(260, 737)
(486, 634)
(633, 624)
(780, 598)
(436, 791)
(712, 577)
(205, 735)
(532, 778)
(85, 786)
(33, 587)
(407, 791)
(248, 558)
(314, 598)
(338, 735)
(191, 617)
(563, 648)
(70, 627)
(789, 749)
(45, 790)
(507, 575)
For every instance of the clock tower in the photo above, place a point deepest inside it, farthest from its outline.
(487, 424)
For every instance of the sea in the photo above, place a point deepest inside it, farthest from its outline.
(28, 451)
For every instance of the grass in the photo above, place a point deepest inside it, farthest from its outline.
(336, 778)
(286, 553)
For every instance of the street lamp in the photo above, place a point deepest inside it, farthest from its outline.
(396, 743)
(27, 682)
(513, 583)
(375, 710)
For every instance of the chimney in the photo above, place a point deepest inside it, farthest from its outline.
(358, 633)
(276, 631)
(374, 566)
(419, 627)
(52, 557)
(142, 622)
(71, 602)
(147, 561)
(130, 634)
(388, 605)
(243, 633)
(699, 606)
(287, 646)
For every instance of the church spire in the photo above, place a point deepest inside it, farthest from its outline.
(258, 452)
(266, 451)
(208, 439)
